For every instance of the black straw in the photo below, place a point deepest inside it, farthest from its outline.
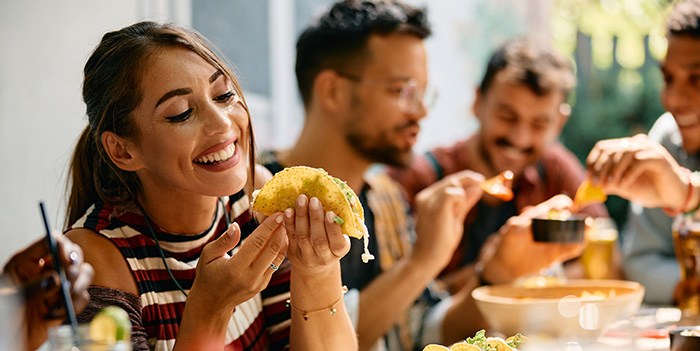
(65, 284)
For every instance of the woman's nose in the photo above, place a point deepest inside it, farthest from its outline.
(217, 120)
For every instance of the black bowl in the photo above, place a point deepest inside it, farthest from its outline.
(567, 230)
(680, 342)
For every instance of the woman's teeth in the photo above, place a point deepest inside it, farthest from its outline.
(221, 155)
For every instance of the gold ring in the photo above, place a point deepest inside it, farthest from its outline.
(274, 267)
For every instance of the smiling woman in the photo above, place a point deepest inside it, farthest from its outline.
(159, 200)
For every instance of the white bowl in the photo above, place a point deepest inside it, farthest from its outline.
(582, 308)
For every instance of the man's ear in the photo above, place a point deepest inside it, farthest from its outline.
(120, 151)
(329, 90)
(478, 104)
(563, 114)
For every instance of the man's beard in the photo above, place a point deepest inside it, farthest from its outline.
(378, 149)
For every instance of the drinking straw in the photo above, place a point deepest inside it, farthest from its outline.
(65, 284)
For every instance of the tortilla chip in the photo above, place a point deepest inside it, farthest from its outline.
(281, 192)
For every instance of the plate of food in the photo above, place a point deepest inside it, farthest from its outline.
(480, 342)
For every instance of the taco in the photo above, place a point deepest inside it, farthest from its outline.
(281, 192)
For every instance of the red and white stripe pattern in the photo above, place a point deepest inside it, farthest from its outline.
(261, 323)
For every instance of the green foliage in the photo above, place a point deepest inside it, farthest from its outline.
(616, 46)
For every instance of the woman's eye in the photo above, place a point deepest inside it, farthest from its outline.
(225, 97)
(181, 117)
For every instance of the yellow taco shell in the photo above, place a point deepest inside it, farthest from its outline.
(281, 192)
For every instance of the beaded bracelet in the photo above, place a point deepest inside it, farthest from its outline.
(331, 309)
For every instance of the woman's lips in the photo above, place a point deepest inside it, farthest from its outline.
(221, 160)
(217, 156)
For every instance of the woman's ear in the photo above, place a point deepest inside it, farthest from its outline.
(121, 152)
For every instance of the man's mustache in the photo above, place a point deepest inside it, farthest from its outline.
(505, 143)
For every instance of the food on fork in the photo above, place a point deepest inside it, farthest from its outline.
(281, 192)
(499, 186)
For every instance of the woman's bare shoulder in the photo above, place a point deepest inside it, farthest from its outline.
(110, 266)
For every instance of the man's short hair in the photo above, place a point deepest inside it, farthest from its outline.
(684, 18)
(541, 69)
(338, 38)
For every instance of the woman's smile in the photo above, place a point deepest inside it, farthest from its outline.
(219, 157)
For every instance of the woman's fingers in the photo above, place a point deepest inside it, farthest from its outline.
(339, 244)
(273, 252)
(317, 229)
(223, 244)
(299, 237)
(79, 287)
(314, 236)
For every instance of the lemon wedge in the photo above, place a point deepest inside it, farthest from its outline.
(110, 325)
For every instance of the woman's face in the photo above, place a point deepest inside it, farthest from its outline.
(192, 128)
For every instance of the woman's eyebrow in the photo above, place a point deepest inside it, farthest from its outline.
(173, 93)
(215, 76)
(185, 91)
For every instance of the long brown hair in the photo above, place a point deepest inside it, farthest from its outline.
(111, 91)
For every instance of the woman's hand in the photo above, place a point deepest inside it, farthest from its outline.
(316, 242)
(638, 169)
(32, 270)
(229, 281)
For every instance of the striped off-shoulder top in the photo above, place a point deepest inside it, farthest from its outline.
(262, 323)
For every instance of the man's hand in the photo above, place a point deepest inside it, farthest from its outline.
(440, 212)
(512, 253)
(639, 169)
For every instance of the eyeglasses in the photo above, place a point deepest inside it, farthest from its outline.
(411, 98)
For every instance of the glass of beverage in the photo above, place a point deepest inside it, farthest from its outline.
(599, 253)
(61, 338)
(686, 240)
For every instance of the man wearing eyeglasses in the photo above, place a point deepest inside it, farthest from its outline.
(521, 107)
(362, 72)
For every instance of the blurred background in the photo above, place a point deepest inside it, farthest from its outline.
(616, 45)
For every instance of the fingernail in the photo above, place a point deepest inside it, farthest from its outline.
(301, 200)
(279, 218)
(314, 204)
(73, 257)
(232, 228)
(330, 216)
(289, 213)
